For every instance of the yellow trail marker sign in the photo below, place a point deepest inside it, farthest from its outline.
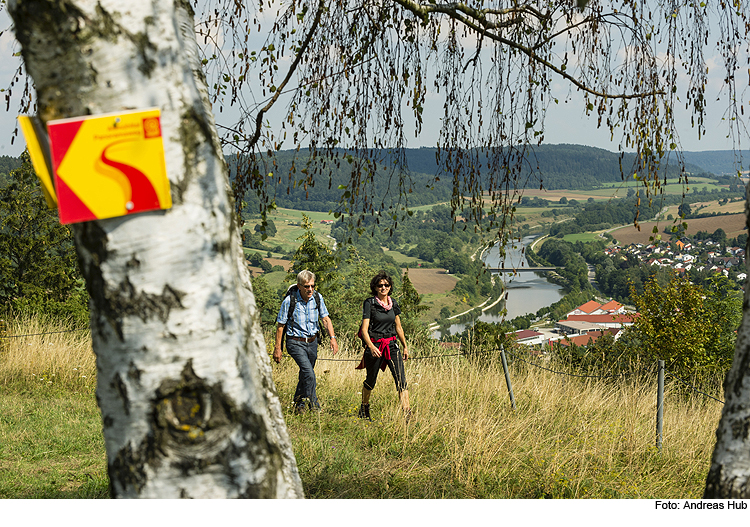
(36, 142)
(109, 165)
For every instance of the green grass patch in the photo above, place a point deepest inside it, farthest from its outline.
(436, 302)
(584, 237)
(275, 279)
(404, 260)
(51, 447)
(289, 227)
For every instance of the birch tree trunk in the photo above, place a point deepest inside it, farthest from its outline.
(729, 475)
(188, 405)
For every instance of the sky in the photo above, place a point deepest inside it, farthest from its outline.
(565, 122)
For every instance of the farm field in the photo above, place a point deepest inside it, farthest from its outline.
(432, 281)
(735, 207)
(289, 228)
(733, 225)
(434, 285)
(619, 190)
(402, 259)
(584, 237)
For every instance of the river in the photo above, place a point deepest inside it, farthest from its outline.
(527, 292)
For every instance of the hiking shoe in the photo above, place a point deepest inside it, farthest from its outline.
(364, 412)
(407, 416)
(300, 409)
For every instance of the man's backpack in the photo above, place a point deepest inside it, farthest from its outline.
(291, 293)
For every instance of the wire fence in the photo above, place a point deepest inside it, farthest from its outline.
(45, 333)
(578, 375)
(696, 390)
(441, 356)
(410, 358)
(518, 357)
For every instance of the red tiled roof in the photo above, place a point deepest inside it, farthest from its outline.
(585, 340)
(612, 305)
(526, 333)
(589, 306)
(601, 319)
(582, 340)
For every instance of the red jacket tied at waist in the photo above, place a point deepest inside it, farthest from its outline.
(384, 346)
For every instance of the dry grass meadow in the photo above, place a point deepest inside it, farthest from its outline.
(733, 225)
(568, 438)
(432, 281)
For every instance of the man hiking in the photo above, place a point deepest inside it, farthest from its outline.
(301, 311)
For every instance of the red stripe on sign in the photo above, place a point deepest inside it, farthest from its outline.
(72, 209)
(61, 136)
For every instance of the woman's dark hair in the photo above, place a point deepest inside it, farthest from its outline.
(382, 275)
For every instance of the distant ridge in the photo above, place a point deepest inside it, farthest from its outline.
(561, 166)
(720, 162)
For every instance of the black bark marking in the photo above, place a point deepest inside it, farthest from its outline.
(194, 426)
(187, 408)
(718, 486)
(91, 240)
(145, 49)
(115, 304)
(65, 40)
(221, 247)
(134, 373)
(122, 391)
(128, 469)
(195, 134)
(133, 263)
(740, 428)
(127, 301)
(736, 376)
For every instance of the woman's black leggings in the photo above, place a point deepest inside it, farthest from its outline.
(396, 365)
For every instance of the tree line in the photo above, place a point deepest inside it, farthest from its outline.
(563, 166)
(38, 265)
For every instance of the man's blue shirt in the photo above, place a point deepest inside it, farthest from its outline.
(305, 317)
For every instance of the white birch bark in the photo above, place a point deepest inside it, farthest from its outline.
(729, 475)
(188, 405)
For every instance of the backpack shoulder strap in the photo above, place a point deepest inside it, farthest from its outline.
(316, 295)
(292, 294)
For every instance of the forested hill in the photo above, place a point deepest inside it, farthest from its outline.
(558, 166)
(562, 166)
(325, 195)
(720, 161)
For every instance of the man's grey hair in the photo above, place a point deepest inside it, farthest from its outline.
(305, 276)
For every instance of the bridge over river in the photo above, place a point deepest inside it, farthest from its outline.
(519, 269)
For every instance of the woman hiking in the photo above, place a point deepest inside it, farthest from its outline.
(380, 330)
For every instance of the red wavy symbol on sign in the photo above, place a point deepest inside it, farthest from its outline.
(142, 193)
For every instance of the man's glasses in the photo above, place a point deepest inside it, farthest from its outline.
(309, 286)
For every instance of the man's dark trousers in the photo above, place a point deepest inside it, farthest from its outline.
(304, 354)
